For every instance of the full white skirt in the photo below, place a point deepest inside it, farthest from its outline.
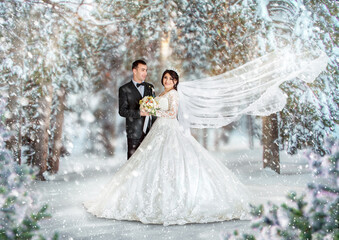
(172, 179)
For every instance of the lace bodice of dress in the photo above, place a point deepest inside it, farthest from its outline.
(168, 104)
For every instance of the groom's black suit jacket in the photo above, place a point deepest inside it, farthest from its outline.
(129, 98)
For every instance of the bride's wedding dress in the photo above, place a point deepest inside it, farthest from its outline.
(171, 179)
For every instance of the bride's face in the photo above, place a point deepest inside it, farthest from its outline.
(168, 82)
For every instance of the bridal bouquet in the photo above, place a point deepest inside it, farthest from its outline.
(149, 104)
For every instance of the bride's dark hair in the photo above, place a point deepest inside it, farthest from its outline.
(174, 75)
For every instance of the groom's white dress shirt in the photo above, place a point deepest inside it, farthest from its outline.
(141, 90)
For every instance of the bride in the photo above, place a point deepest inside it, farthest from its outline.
(171, 178)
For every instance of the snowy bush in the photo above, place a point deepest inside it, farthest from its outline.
(17, 218)
(313, 215)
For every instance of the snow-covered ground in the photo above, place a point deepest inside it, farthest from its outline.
(81, 177)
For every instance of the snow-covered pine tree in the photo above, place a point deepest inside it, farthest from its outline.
(192, 39)
(198, 43)
(313, 215)
(312, 110)
(30, 98)
(19, 212)
(281, 16)
(249, 31)
(140, 25)
(43, 54)
(110, 51)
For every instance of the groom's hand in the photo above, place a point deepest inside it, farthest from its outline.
(143, 114)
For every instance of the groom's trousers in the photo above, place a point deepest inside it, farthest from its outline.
(133, 144)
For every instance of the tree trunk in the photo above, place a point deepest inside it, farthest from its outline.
(53, 160)
(250, 131)
(43, 123)
(217, 138)
(108, 136)
(204, 137)
(21, 120)
(271, 148)
(12, 121)
(106, 115)
(18, 159)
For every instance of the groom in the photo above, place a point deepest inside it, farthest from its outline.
(137, 125)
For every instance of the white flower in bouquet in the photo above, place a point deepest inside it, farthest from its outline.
(149, 104)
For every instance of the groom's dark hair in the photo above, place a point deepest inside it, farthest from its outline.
(137, 62)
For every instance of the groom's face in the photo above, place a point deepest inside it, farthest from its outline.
(140, 73)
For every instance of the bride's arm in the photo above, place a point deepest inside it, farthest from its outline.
(173, 103)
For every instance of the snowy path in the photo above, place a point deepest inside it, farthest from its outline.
(81, 178)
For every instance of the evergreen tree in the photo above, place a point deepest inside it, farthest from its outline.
(192, 40)
(314, 215)
(45, 55)
(249, 32)
(311, 113)
(258, 27)
(19, 212)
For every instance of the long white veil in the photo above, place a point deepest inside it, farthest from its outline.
(251, 89)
